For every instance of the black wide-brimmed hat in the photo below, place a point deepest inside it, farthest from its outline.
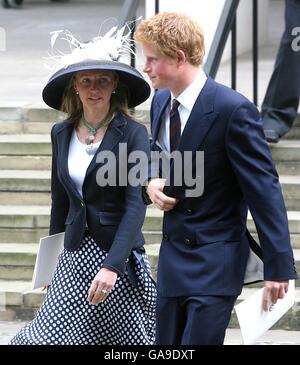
(138, 90)
(101, 53)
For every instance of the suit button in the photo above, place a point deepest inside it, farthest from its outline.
(187, 241)
(189, 211)
(166, 237)
(82, 204)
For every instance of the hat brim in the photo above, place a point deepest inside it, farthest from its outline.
(138, 88)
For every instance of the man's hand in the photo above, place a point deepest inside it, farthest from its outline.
(159, 199)
(273, 291)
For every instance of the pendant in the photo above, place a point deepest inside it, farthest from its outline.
(91, 149)
(89, 139)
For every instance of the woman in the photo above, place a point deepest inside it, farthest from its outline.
(102, 291)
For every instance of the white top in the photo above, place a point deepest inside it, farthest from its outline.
(78, 161)
(187, 100)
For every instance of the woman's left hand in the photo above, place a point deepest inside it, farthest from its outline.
(102, 285)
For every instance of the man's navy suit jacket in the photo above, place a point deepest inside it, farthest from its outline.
(205, 244)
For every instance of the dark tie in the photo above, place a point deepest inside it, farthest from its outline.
(175, 126)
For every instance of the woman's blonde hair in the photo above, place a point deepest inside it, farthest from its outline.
(170, 32)
(72, 105)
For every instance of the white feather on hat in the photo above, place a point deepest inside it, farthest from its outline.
(109, 47)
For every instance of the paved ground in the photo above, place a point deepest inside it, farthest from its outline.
(233, 336)
(27, 35)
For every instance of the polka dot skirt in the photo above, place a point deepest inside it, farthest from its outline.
(126, 317)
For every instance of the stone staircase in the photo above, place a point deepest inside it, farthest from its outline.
(25, 161)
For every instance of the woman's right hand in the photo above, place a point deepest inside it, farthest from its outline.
(102, 285)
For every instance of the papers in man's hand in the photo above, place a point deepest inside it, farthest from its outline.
(47, 259)
(253, 321)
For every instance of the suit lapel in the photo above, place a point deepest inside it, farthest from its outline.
(201, 119)
(111, 138)
(64, 138)
(159, 111)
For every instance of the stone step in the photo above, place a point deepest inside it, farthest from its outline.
(154, 221)
(25, 144)
(31, 115)
(153, 251)
(17, 259)
(18, 254)
(39, 144)
(26, 128)
(26, 224)
(291, 191)
(20, 302)
(37, 127)
(294, 222)
(39, 181)
(25, 180)
(25, 235)
(25, 198)
(41, 120)
(32, 152)
(31, 216)
(8, 329)
(35, 118)
(294, 133)
(22, 235)
(32, 187)
(286, 155)
(15, 184)
(48, 115)
(286, 150)
(27, 162)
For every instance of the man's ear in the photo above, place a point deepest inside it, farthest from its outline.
(181, 57)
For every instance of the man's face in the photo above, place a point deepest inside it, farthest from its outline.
(162, 70)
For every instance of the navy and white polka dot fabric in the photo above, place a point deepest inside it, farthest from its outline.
(126, 317)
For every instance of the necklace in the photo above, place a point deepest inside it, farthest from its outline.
(91, 149)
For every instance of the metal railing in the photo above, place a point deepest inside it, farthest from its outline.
(226, 25)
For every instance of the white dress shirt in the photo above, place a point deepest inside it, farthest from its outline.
(187, 100)
(78, 161)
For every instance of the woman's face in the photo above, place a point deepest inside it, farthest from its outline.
(95, 87)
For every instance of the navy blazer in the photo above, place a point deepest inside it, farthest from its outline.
(114, 214)
(205, 244)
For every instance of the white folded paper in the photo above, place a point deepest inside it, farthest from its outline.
(47, 259)
(253, 321)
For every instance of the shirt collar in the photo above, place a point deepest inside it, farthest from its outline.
(188, 97)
